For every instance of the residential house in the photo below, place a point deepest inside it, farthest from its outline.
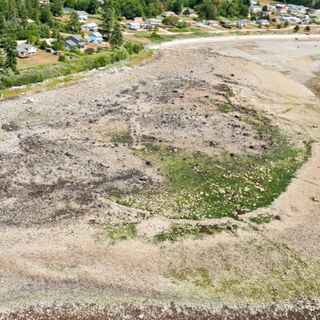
(297, 10)
(240, 23)
(44, 2)
(152, 22)
(168, 14)
(291, 19)
(82, 16)
(94, 37)
(90, 27)
(138, 19)
(74, 41)
(133, 26)
(26, 50)
(255, 9)
(263, 22)
(228, 23)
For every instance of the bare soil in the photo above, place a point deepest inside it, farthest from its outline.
(65, 152)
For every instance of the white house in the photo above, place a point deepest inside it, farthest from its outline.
(90, 27)
(263, 22)
(26, 50)
(168, 14)
(152, 22)
(82, 16)
(255, 9)
(133, 25)
(94, 37)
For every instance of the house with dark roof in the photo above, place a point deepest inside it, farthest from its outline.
(74, 41)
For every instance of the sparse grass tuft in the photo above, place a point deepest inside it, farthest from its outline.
(123, 138)
(178, 231)
(262, 219)
(120, 232)
(226, 107)
(199, 277)
(59, 213)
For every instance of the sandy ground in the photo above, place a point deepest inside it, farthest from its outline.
(58, 150)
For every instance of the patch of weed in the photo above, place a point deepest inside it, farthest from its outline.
(262, 219)
(226, 107)
(120, 232)
(59, 213)
(123, 138)
(199, 277)
(178, 231)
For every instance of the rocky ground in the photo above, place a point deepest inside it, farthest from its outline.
(66, 153)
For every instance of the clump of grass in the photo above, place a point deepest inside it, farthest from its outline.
(226, 107)
(120, 232)
(178, 231)
(123, 138)
(263, 219)
(59, 213)
(199, 277)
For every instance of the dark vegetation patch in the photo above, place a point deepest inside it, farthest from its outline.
(178, 231)
(123, 138)
(265, 218)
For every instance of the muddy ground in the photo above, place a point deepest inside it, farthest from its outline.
(65, 151)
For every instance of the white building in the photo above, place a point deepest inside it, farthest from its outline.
(82, 16)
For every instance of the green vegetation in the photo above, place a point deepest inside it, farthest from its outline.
(124, 138)
(62, 212)
(198, 277)
(198, 187)
(262, 219)
(178, 231)
(82, 63)
(120, 232)
(291, 280)
(226, 107)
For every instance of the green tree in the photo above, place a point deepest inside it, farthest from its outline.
(296, 28)
(116, 39)
(57, 7)
(9, 45)
(108, 18)
(3, 23)
(73, 23)
(45, 15)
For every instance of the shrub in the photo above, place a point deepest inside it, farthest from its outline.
(62, 58)
(89, 50)
(43, 45)
(133, 47)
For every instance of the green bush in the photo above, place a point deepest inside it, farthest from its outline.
(133, 47)
(89, 50)
(62, 58)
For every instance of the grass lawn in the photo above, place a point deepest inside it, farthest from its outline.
(41, 58)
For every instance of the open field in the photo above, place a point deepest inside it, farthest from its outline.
(191, 179)
(40, 59)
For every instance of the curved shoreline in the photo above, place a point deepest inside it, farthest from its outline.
(244, 38)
